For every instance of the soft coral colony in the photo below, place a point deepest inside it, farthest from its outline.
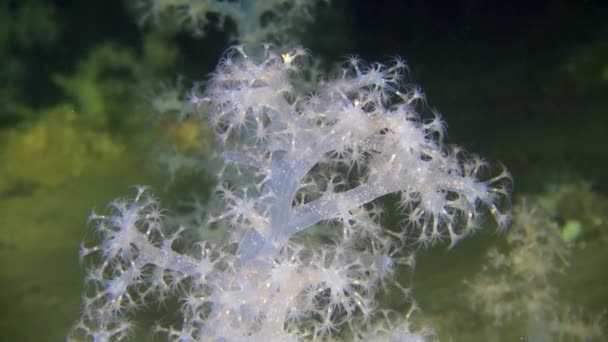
(331, 159)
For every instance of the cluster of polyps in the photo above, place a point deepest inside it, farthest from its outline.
(295, 161)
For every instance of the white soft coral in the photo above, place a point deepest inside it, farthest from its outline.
(296, 164)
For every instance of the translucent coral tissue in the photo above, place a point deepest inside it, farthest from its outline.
(292, 162)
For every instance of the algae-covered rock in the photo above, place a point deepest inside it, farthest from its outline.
(50, 151)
